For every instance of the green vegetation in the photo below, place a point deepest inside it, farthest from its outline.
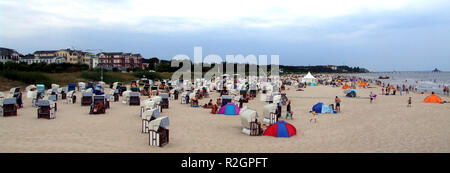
(43, 67)
(26, 77)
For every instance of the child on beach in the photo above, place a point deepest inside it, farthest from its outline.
(371, 96)
(409, 102)
(314, 117)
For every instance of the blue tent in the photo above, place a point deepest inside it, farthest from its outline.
(229, 109)
(351, 94)
(322, 108)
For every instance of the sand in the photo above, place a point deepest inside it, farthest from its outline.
(386, 125)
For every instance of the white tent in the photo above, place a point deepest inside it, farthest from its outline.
(309, 78)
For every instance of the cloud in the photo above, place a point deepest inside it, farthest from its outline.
(367, 33)
(28, 17)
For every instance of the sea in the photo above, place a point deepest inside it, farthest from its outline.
(423, 81)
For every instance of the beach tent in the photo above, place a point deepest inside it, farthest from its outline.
(281, 129)
(322, 108)
(309, 78)
(345, 86)
(433, 98)
(350, 92)
(229, 109)
(363, 84)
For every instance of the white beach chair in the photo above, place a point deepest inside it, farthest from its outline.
(250, 125)
(70, 97)
(81, 86)
(269, 115)
(126, 97)
(159, 132)
(2, 97)
(147, 117)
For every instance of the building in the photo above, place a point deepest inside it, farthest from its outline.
(94, 62)
(52, 59)
(119, 60)
(31, 59)
(7, 54)
(71, 56)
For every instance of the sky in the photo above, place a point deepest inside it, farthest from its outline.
(380, 35)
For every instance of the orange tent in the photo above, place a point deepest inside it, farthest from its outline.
(345, 86)
(433, 98)
(363, 84)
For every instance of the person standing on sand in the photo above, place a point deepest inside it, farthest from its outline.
(279, 107)
(409, 102)
(371, 97)
(288, 110)
(337, 100)
(382, 91)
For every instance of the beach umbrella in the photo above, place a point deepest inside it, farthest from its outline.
(280, 129)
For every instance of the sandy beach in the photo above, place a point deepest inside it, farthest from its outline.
(386, 125)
